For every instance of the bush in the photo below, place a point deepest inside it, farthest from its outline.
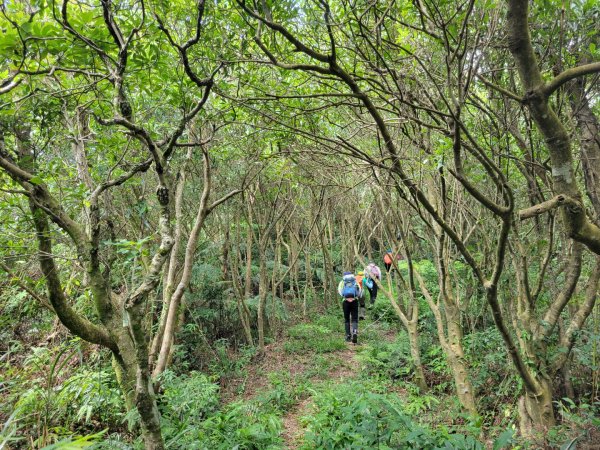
(239, 425)
(491, 372)
(191, 418)
(316, 338)
(187, 399)
(52, 397)
(350, 416)
(388, 360)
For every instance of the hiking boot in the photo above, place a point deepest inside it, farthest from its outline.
(354, 338)
(348, 338)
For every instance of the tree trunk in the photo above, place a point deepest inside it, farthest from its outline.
(456, 356)
(136, 385)
(589, 132)
(328, 279)
(451, 342)
(462, 381)
(263, 289)
(238, 289)
(415, 353)
(249, 241)
(536, 415)
(225, 255)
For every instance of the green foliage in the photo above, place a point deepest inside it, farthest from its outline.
(225, 364)
(388, 360)
(284, 391)
(586, 361)
(187, 400)
(577, 423)
(238, 425)
(51, 396)
(316, 338)
(491, 374)
(350, 416)
(91, 395)
(437, 365)
(76, 443)
(188, 397)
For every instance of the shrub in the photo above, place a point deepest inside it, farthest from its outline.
(350, 416)
(316, 338)
(388, 360)
(188, 397)
(239, 425)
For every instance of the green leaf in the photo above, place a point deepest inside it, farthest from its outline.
(504, 439)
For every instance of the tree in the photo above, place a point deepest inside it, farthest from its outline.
(101, 64)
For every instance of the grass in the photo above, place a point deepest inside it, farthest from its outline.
(313, 338)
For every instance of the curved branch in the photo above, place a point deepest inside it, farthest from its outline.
(500, 89)
(548, 205)
(13, 278)
(39, 194)
(583, 312)
(300, 46)
(570, 74)
(75, 322)
(559, 303)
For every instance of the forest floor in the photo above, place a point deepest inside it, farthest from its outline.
(310, 365)
(335, 365)
(292, 427)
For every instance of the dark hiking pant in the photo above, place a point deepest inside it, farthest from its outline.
(350, 315)
(373, 292)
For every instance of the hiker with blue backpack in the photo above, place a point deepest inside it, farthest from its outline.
(350, 292)
(372, 272)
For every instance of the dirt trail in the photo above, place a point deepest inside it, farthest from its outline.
(343, 366)
(292, 428)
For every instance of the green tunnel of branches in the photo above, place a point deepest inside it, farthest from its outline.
(160, 158)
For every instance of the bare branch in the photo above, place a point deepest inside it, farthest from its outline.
(553, 203)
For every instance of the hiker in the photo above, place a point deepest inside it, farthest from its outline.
(387, 260)
(372, 272)
(361, 299)
(350, 292)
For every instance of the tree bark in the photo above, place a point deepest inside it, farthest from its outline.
(558, 142)
(536, 415)
(589, 135)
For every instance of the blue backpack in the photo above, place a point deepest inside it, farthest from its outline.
(350, 289)
(369, 282)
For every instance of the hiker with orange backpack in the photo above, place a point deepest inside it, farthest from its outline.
(350, 292)
(387, 260)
